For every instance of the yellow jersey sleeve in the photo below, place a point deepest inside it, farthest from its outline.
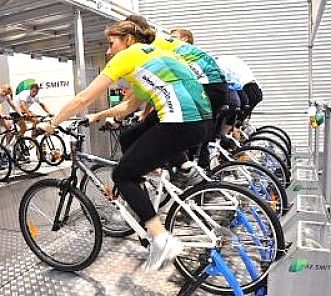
(121, 65)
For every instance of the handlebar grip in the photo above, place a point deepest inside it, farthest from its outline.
(83, 122)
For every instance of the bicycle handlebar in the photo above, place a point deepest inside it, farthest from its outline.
(71, 129)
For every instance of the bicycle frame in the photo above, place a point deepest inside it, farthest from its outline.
(232, 204)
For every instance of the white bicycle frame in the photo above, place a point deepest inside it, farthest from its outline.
(230, 205)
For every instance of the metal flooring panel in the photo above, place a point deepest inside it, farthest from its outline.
(116, 271)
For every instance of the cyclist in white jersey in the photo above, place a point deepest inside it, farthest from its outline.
(243, 74)
(25, 99)
(6, 103)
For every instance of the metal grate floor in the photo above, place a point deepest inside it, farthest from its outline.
(115, 272)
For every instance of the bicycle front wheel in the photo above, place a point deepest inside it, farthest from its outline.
(60, 225)
(260, 237)
(27, 154)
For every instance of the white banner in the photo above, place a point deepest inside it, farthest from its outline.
(56, 80)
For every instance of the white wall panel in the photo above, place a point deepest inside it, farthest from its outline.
(271, 36)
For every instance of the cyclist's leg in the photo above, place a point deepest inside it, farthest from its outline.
(6, 124)
(150, 151)
(254, 94)
(22, 126)
(245, 107)
(230, 118)
(218, 94)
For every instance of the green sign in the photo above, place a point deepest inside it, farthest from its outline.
(298, 265)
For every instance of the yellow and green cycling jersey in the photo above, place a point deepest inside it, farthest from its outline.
(162, 80)
(202, 64)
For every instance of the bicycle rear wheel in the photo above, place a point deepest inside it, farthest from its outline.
(266, 159)
(272, 134)
(263, 243)
(27, 154)
(5, 164)
(53, 149)
(276, 128)
(271, 144)
(112, 221)
(257, 179)
(60, 225)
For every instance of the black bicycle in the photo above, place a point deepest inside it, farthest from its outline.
(25, 152)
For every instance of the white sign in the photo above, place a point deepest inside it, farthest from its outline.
(56, 80)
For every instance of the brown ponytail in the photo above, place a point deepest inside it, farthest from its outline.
(125, 28)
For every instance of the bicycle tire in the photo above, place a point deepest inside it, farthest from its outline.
(277, 132)
(284, 173)
(272, 127)
(273, 135)
(282, 196)
(5, 165)
(285, 156)
(20, 148)
(210, 285)
(31, 229)
(45, 141)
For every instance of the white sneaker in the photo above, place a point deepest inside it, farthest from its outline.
(161, 255)
(184, 179)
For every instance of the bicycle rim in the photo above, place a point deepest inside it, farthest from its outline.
(278, 129)
(272, 145)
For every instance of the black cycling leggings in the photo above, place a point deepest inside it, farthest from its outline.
(151, 150)
(218, 94)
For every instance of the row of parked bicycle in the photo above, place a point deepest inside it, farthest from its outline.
(228, 223)
(28, 152)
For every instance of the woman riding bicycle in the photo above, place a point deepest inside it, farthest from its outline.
(183, 109)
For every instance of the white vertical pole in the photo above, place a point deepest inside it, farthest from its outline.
(81, 68)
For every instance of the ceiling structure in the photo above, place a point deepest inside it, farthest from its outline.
(47, 27)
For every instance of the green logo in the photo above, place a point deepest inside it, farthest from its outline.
(24, 85)
(297, 187)
(148, 49)
(298, 265)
